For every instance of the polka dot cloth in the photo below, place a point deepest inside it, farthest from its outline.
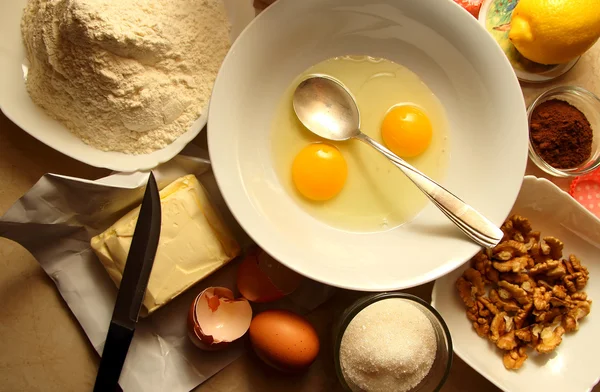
(586, 190)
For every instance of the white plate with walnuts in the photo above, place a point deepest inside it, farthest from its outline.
(524, 317)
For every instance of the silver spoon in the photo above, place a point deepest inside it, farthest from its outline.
(328, 110)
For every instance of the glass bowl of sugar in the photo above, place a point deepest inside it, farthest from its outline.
(392, 342)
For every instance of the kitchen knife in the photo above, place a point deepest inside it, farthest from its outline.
(131, 290)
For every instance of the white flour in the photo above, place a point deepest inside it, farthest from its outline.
(127, 75)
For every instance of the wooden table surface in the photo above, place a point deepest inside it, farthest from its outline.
(43, 348)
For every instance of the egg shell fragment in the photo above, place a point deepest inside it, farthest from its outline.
(216, 318)
(261, 278)
(284, 340)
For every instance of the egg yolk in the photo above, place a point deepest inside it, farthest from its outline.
(319, 171)
(406, 130)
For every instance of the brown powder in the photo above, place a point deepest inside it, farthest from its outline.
(561, 134)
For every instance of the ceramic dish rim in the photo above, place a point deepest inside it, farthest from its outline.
(177, 145)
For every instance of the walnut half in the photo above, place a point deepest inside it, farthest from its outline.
(551, 337)
(515, 358)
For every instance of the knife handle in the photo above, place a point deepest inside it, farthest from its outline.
(113, 358)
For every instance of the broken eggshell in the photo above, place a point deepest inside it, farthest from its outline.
(261, 278)
(216, 318)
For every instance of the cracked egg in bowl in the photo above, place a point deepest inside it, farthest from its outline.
(373, 232)
(349, 185)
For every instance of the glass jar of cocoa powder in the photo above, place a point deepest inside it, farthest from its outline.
(564, 131)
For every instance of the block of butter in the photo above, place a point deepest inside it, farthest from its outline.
(194, 242)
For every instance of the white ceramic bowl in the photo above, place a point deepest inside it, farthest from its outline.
(573, 366)
(18, 107)
(452, 54)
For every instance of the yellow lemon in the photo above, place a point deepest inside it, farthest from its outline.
(554, 31)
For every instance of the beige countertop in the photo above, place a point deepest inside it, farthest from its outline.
(42, 347)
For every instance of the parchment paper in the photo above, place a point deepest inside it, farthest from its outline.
(55, 221)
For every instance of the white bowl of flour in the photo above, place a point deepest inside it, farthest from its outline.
(121, 87)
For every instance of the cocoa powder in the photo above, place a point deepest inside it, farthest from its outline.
(560, 134)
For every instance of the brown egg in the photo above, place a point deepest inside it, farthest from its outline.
(284, 340)
(261, 278)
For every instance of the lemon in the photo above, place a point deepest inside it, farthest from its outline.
(554, 31)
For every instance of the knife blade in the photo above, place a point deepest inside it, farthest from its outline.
(131, 290)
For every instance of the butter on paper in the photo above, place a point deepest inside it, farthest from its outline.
(194, 242)
(55, 221)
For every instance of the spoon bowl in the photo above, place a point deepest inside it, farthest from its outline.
(327, 108)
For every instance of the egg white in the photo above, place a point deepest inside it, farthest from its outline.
(377, 196)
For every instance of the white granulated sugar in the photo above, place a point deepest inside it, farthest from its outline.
(126, 75)
(388, 346)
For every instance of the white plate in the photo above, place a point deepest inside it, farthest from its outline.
(18, 107)
(572, 367)
(458, 60)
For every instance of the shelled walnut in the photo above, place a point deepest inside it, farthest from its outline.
(523, 293)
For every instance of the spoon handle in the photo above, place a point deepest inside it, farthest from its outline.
(472, 223)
